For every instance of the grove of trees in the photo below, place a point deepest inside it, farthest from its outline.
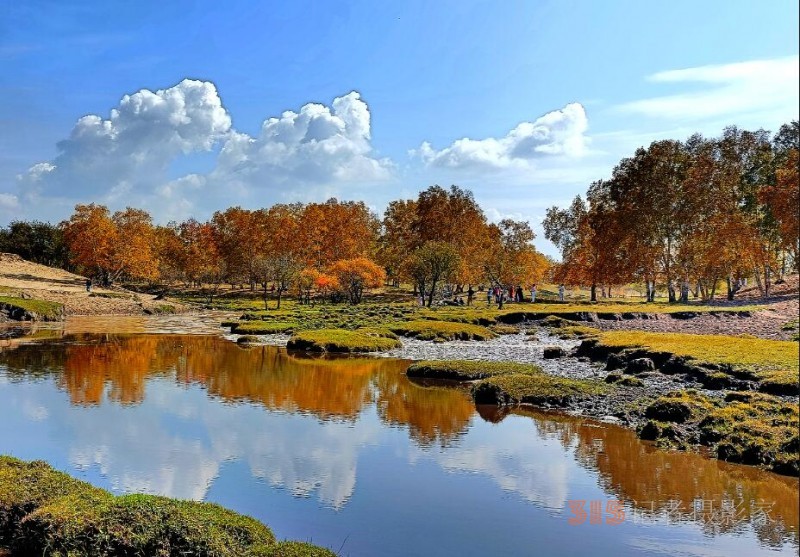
(336, 248)
(687, 215)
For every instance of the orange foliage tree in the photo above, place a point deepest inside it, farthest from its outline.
(354, 275)
(112, 246)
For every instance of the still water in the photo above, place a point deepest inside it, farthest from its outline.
(350, 454)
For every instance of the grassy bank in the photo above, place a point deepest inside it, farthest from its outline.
(772, 364)
(31, 310)
(46, 512)
(748, 428)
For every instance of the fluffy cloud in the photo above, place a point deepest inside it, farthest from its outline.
(764, 89)
(317, 145)
(560, 132)
(134, 146)
(127, 158)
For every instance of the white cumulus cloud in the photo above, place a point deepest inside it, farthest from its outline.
(127, 158)
(317, 145)
(560, 132)
(135, 144)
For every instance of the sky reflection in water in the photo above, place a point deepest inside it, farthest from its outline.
(349, 453)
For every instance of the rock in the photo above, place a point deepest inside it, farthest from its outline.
(486, 393)
(640, 365)
(668, 411)
(615, 361)
(553, 352)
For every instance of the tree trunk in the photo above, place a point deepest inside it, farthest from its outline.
(430, 295)
(593, 292)
(280, 291)
(731, 291)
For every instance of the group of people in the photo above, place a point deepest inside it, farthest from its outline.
(496, 294)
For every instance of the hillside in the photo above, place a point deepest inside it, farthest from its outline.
(21, 278)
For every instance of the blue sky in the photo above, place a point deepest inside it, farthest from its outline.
(523, 102)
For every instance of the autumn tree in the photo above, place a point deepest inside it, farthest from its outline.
(399, 238)
(112, 246)
(432, 264)
(334, 230)
(354, 275)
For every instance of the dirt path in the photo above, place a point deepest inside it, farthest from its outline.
(19, 277)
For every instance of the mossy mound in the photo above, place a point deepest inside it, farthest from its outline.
(624, 380)
(445, 330)
(467, 370)
(46, 512)
(22, 309)
(504, 329)
(717, 361)
(753, 428)
(539, 389)
(679, 407)
(338, 340)
(262, 328)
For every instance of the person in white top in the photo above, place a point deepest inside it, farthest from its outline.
(533, 293)
(560, 292)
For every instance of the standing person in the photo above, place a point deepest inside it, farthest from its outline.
(520, 295)
(489, 296)
(511, 293)
(560, 292)
(533, 294)
(470, 295)
(88, 285)
(501, 298)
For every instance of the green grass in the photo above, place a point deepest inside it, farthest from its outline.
(773, 363)
(263, 327)
(746, 427)
(443, 330)
(468, 370)
(504, 329)
(481, 314)
(46, 512)
(538, 388)
(338, 340)
(509, 382)
(44, 311)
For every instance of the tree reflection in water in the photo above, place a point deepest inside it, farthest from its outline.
(96, 369)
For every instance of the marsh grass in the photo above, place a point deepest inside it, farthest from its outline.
(441, 330)
(46, 512)
(338, 340)
(773, 363)
(45, 311)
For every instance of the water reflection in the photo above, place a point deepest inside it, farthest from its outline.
(169, 414)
